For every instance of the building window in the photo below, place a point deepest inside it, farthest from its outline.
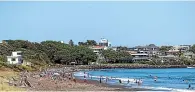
(13, 59)
(19, 53)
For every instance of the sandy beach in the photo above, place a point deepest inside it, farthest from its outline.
(46, 80)
(66, 82)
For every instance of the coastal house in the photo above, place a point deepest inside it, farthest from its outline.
(140, 56)
(176, 50)
(189, 54)
(167, 57)
(185, 48)
(98, 49)
(4, 42)
(143, 53)
(103, 45)
(104, 42)
(149, 49)
(15, 58)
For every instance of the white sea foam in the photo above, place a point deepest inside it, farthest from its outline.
(80, 74)
(131, 80)
(166, 89)
(127, 79)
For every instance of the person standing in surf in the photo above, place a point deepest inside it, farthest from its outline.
(85, 80)
(120, 81)
(189, 86)
(106, 79)
(128, 80)
(100, 79)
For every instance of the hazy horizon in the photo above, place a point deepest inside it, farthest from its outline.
(122, 23)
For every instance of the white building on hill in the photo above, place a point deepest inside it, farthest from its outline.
(15, 58)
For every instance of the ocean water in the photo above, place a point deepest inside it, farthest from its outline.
(170, 79)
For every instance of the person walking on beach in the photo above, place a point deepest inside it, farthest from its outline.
(85, 80)
(139, 82)
(100, 79)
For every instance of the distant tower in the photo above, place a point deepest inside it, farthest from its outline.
(109, 44)
(103, 42)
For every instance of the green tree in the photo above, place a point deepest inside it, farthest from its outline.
(192, 48)
(82, 44)
(116, 56)
(88, 43)
(165, 48)
(91, 42)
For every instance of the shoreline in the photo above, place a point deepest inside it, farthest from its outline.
(61, 83)
(127, 66)
(115, 87)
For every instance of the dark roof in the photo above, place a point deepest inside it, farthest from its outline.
(152, 46)
(139, 47)
(149, 46)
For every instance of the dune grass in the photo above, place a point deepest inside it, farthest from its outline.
(4, 75)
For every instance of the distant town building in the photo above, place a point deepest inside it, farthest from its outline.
(149, 49)
(143, 53)
(140, 56)
(4, 41)
(15, 58)
(114, 48)
(185, 47)
(167, 58)
(98, 49)
(176, 50)
(103, 45)
(189, 54)
(104, 42)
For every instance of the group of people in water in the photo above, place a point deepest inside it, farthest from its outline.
(86, 75)
(137, 81)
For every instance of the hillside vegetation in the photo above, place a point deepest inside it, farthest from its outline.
(45, 53)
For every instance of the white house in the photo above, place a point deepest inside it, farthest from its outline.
(97, 49)
(15, 58)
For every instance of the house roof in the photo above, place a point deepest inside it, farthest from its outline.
(97, 47)
(173, 51)
(13, 56)
(168, 56)
(18, 51)
(148, 46)
(139, 54)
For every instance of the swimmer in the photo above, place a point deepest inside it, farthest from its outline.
(120, 81)
(189, 86)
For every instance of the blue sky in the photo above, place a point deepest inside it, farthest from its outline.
(123, 23)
